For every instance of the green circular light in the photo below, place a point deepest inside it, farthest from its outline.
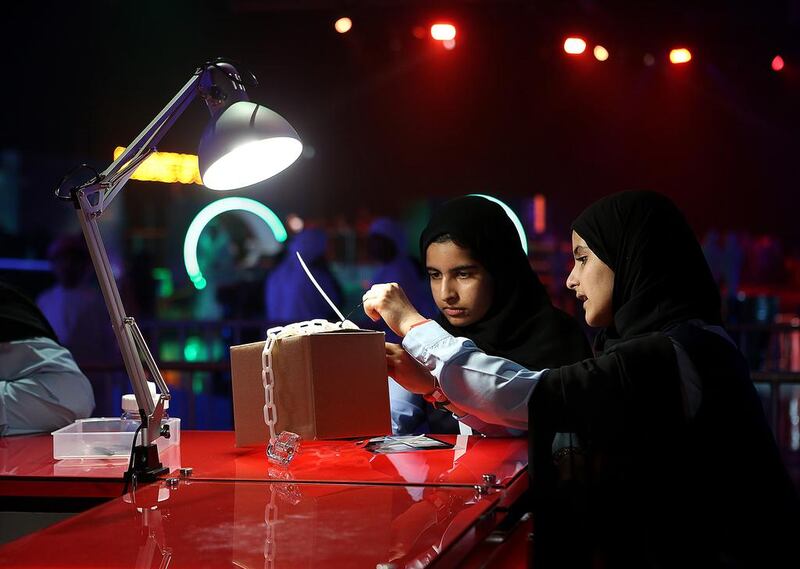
(513, 216)
(211, 211)
(194, 349)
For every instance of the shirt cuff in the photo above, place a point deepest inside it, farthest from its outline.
(488, 429)
(429, 342)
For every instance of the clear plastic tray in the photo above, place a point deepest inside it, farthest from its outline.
(105, 438)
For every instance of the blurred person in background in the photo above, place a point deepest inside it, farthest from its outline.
(217, 252)
(386, 246)
(41, 387)
(76, 311)
(289, 294)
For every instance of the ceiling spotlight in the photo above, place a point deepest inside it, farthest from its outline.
(343, 25)
(600, 53)
(443, 32)
(574, 46)
(680, 55)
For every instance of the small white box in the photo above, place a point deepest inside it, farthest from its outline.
(105, 437)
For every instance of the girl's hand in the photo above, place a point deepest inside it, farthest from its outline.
(388, 301)
(407, 371)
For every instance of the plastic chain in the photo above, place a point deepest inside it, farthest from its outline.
(281, 448)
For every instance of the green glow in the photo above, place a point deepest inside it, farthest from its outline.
(218, 350)
(211, 211)
(513, 216)
(169, 350)
(198, 384)
(194, 349)
(164, 277)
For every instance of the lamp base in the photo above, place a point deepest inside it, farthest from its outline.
(146, 464)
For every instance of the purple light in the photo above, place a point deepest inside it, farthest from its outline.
(24, 265)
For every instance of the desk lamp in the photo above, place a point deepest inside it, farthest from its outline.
(244, 143)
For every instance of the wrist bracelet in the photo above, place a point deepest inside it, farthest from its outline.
(420, 323)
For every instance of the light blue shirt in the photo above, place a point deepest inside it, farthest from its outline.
(41, 387)
(492, 391)
(412, 415)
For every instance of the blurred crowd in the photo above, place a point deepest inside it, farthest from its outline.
(758, 276)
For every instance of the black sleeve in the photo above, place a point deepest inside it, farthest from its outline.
(633, 388)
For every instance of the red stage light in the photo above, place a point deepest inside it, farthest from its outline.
(777, 63)
(680, 55)
(539, 214)
(574, 46)
(443, 32)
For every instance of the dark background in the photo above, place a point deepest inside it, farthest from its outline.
(393, 124)
(390, 118)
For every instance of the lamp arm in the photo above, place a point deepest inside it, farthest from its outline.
(90, 202)
(114, 177)
(131, 344)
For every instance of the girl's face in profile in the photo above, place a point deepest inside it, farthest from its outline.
(461, 286)
(593, 283)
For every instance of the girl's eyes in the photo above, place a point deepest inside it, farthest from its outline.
(459, 275)
(581, 260)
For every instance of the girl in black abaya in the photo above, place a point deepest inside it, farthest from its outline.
(681, 467)
(678, 466)
(486, 291)
(521, 324)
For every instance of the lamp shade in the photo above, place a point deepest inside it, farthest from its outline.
(245, 144)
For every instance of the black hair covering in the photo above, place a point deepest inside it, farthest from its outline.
(521, 325)
(20, 318)
(647, 466)
(660, 274)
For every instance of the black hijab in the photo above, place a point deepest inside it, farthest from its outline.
(20, 318)
(521, 325)
(660, 274)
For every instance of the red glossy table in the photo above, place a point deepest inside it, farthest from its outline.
(27, 466)
(212, 456)
(252, 524)
(335, 505)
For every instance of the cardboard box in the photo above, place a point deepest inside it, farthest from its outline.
(328, 385)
